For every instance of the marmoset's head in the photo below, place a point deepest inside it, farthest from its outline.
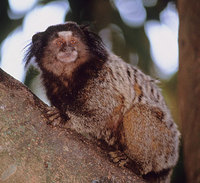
(62, 48)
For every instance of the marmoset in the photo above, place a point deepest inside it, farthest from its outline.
(104, 98)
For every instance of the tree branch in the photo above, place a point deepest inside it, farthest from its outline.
(31, 151)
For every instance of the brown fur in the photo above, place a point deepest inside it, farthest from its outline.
(107, 99)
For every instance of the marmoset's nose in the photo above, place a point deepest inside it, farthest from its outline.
(67, 46)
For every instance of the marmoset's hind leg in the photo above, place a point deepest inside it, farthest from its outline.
(149, 141)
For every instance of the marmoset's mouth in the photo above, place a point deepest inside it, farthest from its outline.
(67, 54)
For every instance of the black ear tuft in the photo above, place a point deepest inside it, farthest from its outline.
(94, 43)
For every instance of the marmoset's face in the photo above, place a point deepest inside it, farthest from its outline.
(60, 48)
(65, 46)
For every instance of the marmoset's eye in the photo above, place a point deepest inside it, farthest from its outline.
(73, 41)
(60, 42)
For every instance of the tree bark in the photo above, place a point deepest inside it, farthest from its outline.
(33, 152)
(189, 85)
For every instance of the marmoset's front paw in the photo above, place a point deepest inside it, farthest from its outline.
(55, 117)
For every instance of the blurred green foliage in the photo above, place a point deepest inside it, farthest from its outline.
(31, 73)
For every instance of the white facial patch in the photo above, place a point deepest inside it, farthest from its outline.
(65, 34)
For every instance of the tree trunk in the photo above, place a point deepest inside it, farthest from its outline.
(33, 152)
(189, 85)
